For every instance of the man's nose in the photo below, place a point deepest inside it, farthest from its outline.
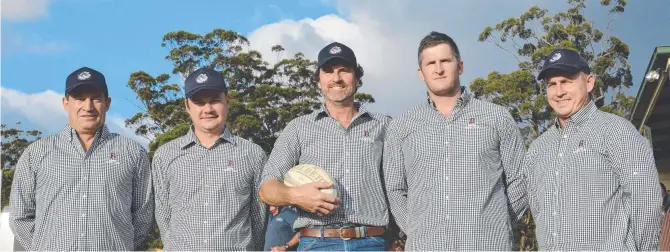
(88, 104)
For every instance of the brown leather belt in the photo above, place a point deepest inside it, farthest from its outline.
(344, 232)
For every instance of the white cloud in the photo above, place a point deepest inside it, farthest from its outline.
(385, 38)
(24, 10)
(45, 111)
(33, 44)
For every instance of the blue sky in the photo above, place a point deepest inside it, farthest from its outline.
(45, 40)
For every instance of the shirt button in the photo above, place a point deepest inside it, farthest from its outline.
(85, 178)
(204, 222)
(82, 234)
(554, 234)
(83, 196)
(83, 215)
(560, 154)
(204, 241)
(447, 197)
(634, 173)
(447, 217)
(556, 173)
(347, 170)
(447, 178)
(565, 136)
(554, 213)
(206, 204)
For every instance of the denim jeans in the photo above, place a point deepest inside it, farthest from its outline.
(372, 243)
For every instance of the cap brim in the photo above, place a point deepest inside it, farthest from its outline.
(329, 58)
(198, 89)
(563, 67)
(84, 83)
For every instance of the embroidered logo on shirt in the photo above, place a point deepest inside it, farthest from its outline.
(112, 158)
(229, 167)
(366, 137)
(580, 147)
(472, 124)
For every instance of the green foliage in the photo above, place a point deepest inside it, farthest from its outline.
(7, 176)
(14, 141)
(264, 97)
(154, 239)
(532, 36)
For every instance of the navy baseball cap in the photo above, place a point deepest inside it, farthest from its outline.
(566, 60)
(337, 50)
(86, 76)
(204, 79)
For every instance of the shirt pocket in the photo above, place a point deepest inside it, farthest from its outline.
(234, 176)
(118, 170)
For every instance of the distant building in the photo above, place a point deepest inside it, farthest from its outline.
(651, 110)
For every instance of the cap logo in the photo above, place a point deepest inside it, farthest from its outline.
(556, 57)
(85, 75)
(335, 50)
(201, 78)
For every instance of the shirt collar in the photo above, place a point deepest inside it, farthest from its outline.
(581, 116)
(71, 134)
(190, 137)
(463, 100)
(323, 112)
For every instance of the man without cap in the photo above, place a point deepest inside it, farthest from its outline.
(346, 140)
(279, 235)
(84, 188)
(452, 164)
(592, 178)
(206, 181)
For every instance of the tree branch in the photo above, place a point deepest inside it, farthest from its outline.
(501, 47)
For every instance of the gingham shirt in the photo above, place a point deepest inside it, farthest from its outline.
(445, 176)
(63, 198)
(351, 156)
(206, 198)
(593, 185)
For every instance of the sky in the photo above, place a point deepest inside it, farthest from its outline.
(42, 41)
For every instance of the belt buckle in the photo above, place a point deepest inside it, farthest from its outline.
(340, 233)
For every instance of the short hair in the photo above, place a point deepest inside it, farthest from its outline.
(663, 186)
(358, 74)
(435, 38)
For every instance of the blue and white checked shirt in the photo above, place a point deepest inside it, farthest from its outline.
(593, 185)
(207, 198)
(455, 182)
(66, 199)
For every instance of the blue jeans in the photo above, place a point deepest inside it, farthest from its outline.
(372, 243)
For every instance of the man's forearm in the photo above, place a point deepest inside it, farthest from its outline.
(274, 193)
(294, 241)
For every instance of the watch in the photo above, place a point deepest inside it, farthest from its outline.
(286, 246)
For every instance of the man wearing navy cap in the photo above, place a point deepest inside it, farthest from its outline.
(592, 180)
(206, 182)
(346, 140)
(84, 188)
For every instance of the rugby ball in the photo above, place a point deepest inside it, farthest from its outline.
(308, 173)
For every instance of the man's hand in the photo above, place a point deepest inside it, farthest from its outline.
(278, 248)
(311, 199)
(397, 245)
